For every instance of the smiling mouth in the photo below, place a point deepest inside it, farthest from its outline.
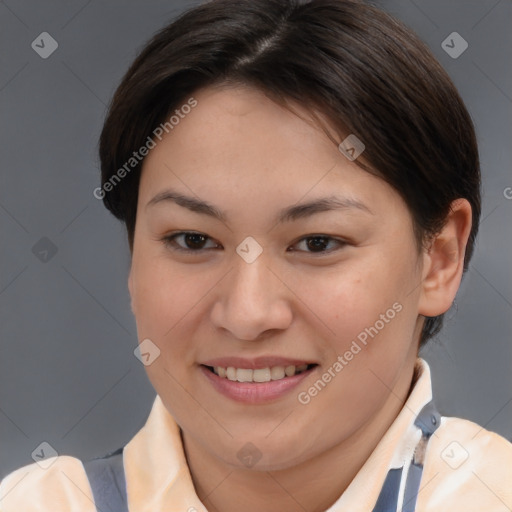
(259, 375)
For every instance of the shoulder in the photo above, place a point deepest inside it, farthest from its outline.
(58, 485)
(467, 468)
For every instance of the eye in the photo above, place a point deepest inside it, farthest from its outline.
(191, 241)
(319, 244)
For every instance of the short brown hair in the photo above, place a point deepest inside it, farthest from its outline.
(360, 68)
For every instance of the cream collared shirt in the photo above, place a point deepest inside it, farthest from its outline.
(466, 469)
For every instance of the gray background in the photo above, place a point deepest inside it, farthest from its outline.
(68, 375)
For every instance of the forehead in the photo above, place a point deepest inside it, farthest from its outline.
(240, 122)
(236, 139)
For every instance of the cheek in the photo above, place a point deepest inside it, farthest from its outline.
(373, 322)
(166, 299)
(163, 296)
(347, 300)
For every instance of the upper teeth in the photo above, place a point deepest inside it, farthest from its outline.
(259, 375)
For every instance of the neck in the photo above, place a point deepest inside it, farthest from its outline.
(312, 486)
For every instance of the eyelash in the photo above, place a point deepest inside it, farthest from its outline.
(170, 242)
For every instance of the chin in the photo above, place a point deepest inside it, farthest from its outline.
(264, 456)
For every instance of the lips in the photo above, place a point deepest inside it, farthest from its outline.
(256, 380)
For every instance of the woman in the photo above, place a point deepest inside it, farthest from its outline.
(301, 190)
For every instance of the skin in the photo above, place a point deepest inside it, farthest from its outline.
(251, 158)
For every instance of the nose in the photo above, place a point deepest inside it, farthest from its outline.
(251, 301)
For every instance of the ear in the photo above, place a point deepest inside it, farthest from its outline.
(444, 261)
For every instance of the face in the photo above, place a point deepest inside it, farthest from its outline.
(263, 253)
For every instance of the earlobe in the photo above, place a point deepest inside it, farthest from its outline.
(444, 261)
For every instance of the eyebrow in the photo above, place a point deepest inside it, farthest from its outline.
(289, 214)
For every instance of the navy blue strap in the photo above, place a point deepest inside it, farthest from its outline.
(388, 497)
(107, 481)
(428, 421)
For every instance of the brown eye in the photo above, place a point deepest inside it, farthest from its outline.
(190, 242)
(194, 240)
(317, 243)
(320, 244)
